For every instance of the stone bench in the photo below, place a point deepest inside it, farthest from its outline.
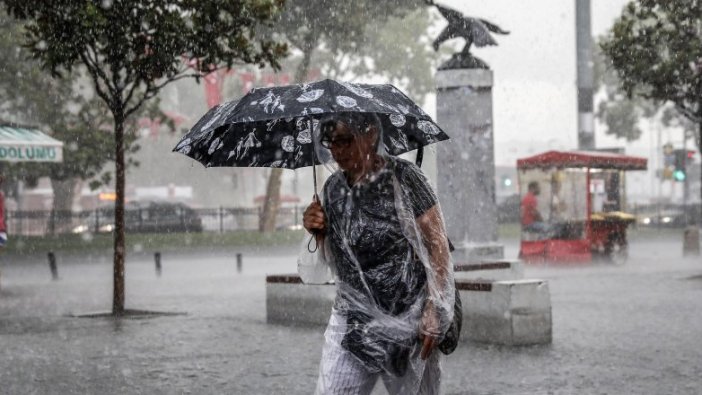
(516, 312)
(290, 302)
(494, 270)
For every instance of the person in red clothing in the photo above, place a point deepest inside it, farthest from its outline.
(3, 230)
(532, 221)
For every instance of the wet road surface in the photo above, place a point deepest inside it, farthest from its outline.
(631, 329)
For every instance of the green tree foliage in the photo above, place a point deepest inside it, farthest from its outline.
(397, 49)
(655, 47)
(617, 111)
(622, 114)
(131, 49)
(339, 27)
(350, 37)
(66, 109)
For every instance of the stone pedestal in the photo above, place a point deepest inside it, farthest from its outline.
(466, 163)
(691, 241)
(511, 313)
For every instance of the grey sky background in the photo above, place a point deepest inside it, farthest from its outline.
(534, 68)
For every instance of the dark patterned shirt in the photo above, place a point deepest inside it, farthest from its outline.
(366, 216)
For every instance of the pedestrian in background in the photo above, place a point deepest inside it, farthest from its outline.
(3, 228)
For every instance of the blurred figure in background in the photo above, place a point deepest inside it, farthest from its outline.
(3, 229)
(532, 221)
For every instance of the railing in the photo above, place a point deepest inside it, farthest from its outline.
(141, 220)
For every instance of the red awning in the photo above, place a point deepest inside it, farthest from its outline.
(593, 160)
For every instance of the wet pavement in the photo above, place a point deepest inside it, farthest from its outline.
(631, 329)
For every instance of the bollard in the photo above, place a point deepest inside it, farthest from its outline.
(691, 241)
(239, 263)
(52, 266)
(157, 263)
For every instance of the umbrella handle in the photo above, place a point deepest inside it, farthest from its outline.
(314, 175)
(315, 198)
(314, 156)
(316, 245)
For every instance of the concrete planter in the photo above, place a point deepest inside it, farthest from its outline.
(513, 313)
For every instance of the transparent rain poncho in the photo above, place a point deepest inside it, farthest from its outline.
(385, 245)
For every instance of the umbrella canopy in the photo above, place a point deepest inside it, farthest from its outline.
(275, 127)
(28, 144)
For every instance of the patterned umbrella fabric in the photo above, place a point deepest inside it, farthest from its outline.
(276, 126)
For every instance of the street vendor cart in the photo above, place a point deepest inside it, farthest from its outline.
(573, 206)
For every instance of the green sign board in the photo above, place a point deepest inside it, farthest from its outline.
(20, 144)
(30, 154)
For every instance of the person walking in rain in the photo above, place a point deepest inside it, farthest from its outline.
(381, 231)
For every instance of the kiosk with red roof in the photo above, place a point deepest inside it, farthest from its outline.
(572, 205)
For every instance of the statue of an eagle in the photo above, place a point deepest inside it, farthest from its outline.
(473, 30)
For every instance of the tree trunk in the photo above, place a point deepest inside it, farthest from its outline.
(272, 202)
(64, 193)
(699, 148)
(304, 67)
(118, 276)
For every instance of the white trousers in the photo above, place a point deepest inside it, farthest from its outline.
(340, 372)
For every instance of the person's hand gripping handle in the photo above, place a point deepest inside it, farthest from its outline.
(314, 221)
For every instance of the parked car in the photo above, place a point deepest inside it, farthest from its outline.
(664, 219)
(144, 217)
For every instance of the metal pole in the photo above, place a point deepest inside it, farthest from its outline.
(157, 263)
(52, 266)
(17, 216)
(314, 154)
(221, 219)
(52, 222)
(583, 42)
(686, 185)
(314, 175)
(588, 204)
(661, 163)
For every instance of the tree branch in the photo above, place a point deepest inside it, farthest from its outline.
(130, 93)
(690, 114)
(94, 74)
(94, 62)
(153, 90)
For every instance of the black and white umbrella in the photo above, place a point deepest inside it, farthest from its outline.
(275, 126)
